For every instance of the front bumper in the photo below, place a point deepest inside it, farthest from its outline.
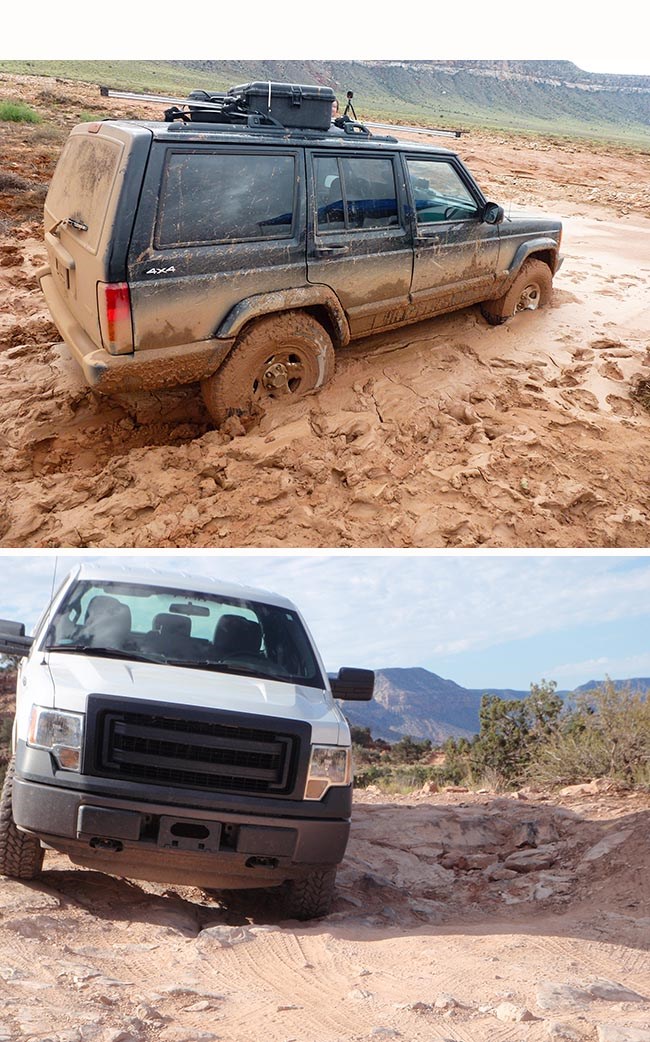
(139, 371)
(176, 844)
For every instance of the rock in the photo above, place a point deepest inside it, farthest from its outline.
(552, 995)
(591, 788)
(199, 1007)
(382, 1032)
(149, 1014)
(26, 897)
(497, 873)
(512, 1014)
(606, 845)
(531, 860)
(618, 1033)
(224, 936)
(455, 788)
(610, 991)
(359, 994)
(557, 1029)
(446, 1001)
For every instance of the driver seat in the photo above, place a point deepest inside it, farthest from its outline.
(235, 635)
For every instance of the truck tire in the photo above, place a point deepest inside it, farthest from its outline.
(310, 897)
(531, 289)
(21, 855)
(283, 356)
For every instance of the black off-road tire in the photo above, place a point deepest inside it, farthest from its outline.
(276, 358)
(21, 856)
(310, 897)
(531, 289)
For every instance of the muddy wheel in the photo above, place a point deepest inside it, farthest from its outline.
(277, 358)
(531, 290)
(310, 897)
(21, 856)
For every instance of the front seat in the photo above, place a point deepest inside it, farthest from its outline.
(107, 623)
(236, 636)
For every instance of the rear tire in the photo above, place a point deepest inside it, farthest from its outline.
(531, 289)
(21, 855)
(277, 358)
(310, 897)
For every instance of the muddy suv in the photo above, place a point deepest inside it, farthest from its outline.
(243, 256)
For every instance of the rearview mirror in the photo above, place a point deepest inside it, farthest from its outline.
(353, 685)
(13, 640)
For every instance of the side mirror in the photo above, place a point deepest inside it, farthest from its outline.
(353, 685)
(493, 213)
(13, 640)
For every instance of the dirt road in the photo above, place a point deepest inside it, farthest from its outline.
(447, 434)
(432, 937)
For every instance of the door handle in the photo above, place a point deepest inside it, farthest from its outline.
(426, 240)
(333, 249)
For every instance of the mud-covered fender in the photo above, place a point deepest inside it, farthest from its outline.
(308, 297)
(545, 245)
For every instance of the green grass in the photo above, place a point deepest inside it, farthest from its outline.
(17, 112)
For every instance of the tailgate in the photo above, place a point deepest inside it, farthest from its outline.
(89, 212)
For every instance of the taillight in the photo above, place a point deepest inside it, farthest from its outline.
(114, 303)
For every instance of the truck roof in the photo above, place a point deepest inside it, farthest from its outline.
(229, 133)
(177, 580)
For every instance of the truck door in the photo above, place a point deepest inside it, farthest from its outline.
(359, 242)
(456, 252)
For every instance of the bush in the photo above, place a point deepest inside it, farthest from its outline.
(606, 734)
(17, 112)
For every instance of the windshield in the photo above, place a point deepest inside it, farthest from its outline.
(184, 628)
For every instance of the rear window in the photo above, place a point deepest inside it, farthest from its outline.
(216, 197)
(82, 184)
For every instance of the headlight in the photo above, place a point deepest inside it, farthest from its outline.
(329, 765)
(60, 733)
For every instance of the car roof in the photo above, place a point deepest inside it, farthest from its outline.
(177, 580)
(232, 134)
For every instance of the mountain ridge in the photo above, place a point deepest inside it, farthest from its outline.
(417, 702)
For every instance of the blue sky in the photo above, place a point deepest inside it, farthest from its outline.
(598, 38)
(485, 620)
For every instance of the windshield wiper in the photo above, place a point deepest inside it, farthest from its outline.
(88, 649)
(223, 667)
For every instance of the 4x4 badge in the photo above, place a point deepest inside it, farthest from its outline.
(160, 271)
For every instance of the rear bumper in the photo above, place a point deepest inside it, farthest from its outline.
(176, 844)
(143, 370)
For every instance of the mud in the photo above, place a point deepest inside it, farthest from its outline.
(448, 433)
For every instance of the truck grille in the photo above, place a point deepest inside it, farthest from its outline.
(183, 750)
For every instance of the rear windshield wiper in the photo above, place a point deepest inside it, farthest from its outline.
(72, 221)
(88, 649)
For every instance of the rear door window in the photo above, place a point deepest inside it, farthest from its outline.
(355, 192)
(214, 197)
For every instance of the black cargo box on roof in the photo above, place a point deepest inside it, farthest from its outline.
(291, 104)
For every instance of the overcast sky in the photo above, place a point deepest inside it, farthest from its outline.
(597, 37)
(482, 620)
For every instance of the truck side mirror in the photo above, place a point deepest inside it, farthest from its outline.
(493, 213)
(13, 640)
(353, 685)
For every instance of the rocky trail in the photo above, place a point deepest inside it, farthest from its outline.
(449, 433)
(458, 917)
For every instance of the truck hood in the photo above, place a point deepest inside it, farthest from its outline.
(76, 676)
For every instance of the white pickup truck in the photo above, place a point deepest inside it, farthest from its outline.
(179, 729)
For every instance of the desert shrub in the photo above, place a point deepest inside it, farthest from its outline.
(17, 112)
(512, 730)
(606, 734)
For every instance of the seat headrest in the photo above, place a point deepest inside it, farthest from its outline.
(166, 623)
(236, 635)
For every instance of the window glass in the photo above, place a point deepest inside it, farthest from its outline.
(438, 192)
(355, 192)
(212, 197)
(182, 627)
(329, 196)
(370, 192)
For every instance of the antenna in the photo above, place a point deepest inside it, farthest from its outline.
(56, 561)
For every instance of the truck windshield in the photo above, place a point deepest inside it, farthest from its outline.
(184, 628)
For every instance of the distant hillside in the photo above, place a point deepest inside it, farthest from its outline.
(423, 705)
(538, 96)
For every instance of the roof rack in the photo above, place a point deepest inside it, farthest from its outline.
(235, 108)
